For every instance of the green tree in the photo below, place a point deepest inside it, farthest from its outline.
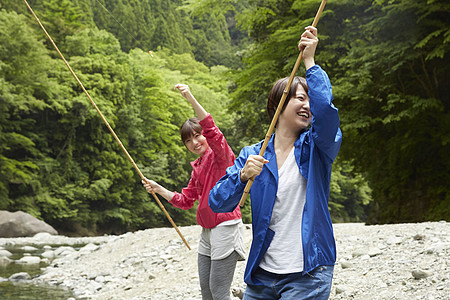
(393, 84)
(28, 87)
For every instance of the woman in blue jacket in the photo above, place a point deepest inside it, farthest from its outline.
(293, 249)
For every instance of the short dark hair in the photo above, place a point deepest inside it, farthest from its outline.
(190, 127)
(277, 92)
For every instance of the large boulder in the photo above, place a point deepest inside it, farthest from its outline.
(21, 224)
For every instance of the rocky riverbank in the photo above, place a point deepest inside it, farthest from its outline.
(402, 261)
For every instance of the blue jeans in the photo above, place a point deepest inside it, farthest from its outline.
(313, 285)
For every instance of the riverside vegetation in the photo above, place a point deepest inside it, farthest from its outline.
(388, 62)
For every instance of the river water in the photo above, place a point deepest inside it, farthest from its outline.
(16, 290)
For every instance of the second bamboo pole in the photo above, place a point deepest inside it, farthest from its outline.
(107, 125)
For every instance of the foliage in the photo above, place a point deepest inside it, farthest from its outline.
(25, 89)
(399, 103)
(151, 24)
(350, 194)
(59, 161)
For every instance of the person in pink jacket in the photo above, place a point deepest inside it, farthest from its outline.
(221, 242)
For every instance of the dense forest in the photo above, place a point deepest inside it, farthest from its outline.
(388, 62)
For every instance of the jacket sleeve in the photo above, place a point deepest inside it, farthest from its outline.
(226, 194)
(188, 195)
(217, 141)
(325, 129)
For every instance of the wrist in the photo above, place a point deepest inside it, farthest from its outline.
(242, 176)
(190, 98)
(158, 189)
(309, 63)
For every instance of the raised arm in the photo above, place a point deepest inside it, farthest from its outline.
(186, 92)
(325, 121)
(213, 135)
(216, 140)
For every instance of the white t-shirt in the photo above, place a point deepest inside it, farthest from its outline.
(285, 253)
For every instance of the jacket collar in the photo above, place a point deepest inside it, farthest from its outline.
(269, 154)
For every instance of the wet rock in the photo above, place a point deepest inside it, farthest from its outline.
(29, 248)
(4, 261)
(30, 260)
(50, 254)
(5, 253)
(19, 276)
(64, 251)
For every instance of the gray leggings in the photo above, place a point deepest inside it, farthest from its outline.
(216, 276)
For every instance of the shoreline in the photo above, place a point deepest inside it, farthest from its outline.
(397, 261)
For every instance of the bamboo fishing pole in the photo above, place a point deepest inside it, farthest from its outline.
(280, 106)
(107, 125)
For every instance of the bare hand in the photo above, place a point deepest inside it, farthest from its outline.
(253, 167)
(184, 90)
(150, 185)
(308, 43)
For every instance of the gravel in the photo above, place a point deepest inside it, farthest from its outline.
(400, 261)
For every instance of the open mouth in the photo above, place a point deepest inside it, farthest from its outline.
(303, 114)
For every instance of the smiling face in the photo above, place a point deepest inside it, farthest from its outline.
(297, 115)
(298, 91)
(192, 138)
(196, 143)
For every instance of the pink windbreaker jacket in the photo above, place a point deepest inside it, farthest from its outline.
(207, 170)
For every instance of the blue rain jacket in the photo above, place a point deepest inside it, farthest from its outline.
(315, 150)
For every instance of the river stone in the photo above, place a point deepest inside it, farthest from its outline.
(374, 252)
(419, 274)
(346, 264)
(339, 290)
(88, 248)
(31, 260)
(359, 252)
(419, 237)
(29, 248)
(43, 236)
(64, 250)
(4, 261)
(5, 253)
(137, 266)
(237, 292)
(21, 224)
(20, 276)
(50, 254)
